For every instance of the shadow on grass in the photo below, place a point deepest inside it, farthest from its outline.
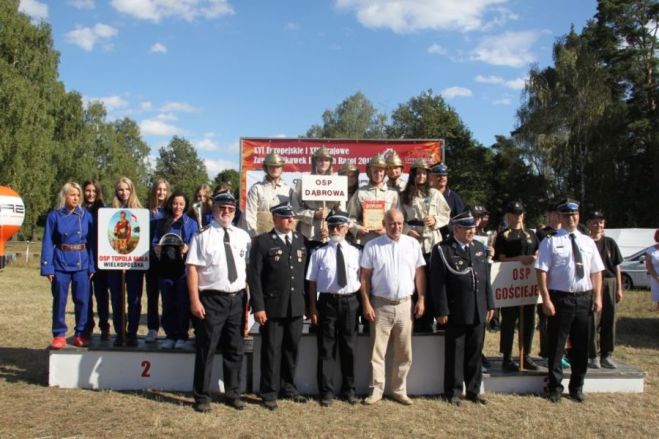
(185, 399)
(24, 365)
(638, 332)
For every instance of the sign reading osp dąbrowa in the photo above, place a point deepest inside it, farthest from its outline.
(324, 187)
(514, 284)
(123, 239)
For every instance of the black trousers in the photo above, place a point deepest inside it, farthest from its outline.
(605, 321)
(280, 338)
(542, 331)
(509, 319)
(572, 319)
(222, 327)
(338, 327)
(462, 358)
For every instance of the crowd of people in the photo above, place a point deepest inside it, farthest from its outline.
(395, 258)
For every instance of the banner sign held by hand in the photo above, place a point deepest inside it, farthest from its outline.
(123, 239)
(514, 284)
(324, 187)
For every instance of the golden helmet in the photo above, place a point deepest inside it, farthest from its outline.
(420, 163)
(347, 168)
(273, 159)
(394, 160)
(378, 161)
(322, 152)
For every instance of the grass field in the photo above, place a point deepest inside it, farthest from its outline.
(28, 408)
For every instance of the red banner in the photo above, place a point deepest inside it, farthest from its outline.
(297, 154)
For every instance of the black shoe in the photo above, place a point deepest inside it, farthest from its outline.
(236, 403)
(326, 400)
(454, 400)
(105, 335)
(529, 364)
(476, 399)
(555, 395)
(509, 366)
(351, 399)
(131, 341)
(202, 406)
(118, 342)
(577, 396)
(270, 404)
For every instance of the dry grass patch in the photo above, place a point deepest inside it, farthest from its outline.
(28, 408)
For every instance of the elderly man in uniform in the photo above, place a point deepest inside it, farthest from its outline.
(461, 289)
(276, 281)
(612, 292)
(392, 266)
(264, 195)
(569, 270)
(376, 190)
(334, 273)
(217, 262)
(394, 171)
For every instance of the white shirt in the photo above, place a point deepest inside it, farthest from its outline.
(322, 268)
(283, 236)
(394, 265)
(207, 253)
(555, 258)
(261, 197)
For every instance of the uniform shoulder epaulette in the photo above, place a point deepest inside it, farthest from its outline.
(203, 229)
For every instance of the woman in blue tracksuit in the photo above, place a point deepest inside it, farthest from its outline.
(169, 263)
(125, 197)
(98, 287)
(67, 258)
(160, 190)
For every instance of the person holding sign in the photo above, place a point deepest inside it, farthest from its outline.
(392, 267)
(217, 266)
(569, 270)
(171, 236)
(516, 243)
(67, 259)
(334, 271)
(266, 194)
(462, 294)
(426, 211)
(350, 170)
(276, 282)
(311, 214)
(394, 171)
(125, 197)
(612, 292)
(368, 205)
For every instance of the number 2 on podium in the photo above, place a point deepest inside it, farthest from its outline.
(146, 367)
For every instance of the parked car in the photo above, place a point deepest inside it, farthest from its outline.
(634, 274)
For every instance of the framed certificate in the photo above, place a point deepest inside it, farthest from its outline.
(373, 214)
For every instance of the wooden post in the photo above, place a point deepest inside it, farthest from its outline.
(520, 337)
(123, 307)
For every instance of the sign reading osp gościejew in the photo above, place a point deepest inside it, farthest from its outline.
(514, 284)
(324, 187)
(123, 239)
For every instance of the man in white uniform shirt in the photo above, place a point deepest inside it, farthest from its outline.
(217, 262)
(392, 266)
(569, 270)
(334, 273)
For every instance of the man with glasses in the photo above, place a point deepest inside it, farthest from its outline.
(276, 282)
(333, 273)
(569, 270)
(217, 262)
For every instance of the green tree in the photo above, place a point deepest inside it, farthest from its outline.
(427, 116)
(179, 163)
(230, 176)
(354, 118)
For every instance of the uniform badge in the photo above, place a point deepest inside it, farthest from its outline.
(276, 258)
(479, 253)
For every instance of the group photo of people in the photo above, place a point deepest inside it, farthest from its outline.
(396, 258)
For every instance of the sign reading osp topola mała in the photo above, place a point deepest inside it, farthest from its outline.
(324, 187)
(123, 239)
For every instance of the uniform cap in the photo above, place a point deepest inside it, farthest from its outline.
(283, 209)
(596, 214)
(478, 210)
(440, 169)
(568, 207)
(337, 218)
(515, 207)
(224, 198)
(464, 219)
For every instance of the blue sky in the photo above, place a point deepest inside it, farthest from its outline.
(213, 71)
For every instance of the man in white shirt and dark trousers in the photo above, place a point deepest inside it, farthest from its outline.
(392, 265)
(333, 272)
(569, 270)
(216, 263)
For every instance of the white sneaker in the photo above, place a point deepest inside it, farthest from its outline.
(151, 336)
(181, 344)
(168, 344)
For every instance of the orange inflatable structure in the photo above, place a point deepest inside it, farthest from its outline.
(12, 214)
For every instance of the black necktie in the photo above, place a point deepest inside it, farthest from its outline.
(288, 244)
(340, 267)
(231, 264)
(576, 255)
